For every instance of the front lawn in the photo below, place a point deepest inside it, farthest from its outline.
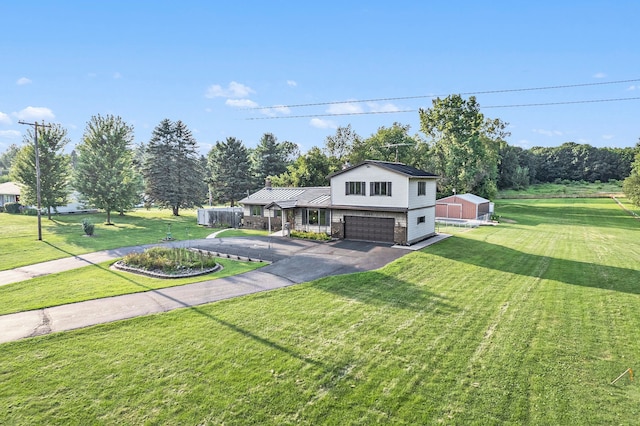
(527, 322)
(63, 235)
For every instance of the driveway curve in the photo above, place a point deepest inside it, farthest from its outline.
(292, 262)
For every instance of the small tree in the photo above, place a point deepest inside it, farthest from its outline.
(55, 171)
(631, 185)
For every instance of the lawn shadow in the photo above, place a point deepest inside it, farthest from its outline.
(497, 257)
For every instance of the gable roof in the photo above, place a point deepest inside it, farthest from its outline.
(9, 188)
(403, 169)
(471, 198)
(287, 198)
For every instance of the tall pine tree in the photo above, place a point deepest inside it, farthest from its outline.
(230, 176)
(271, 158)
(172, 170)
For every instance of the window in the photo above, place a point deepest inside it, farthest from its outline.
(422, 188)
(355, 188)
(277, 213)
(380, 188)
(421, 219)
(256, 210)
(315, 217)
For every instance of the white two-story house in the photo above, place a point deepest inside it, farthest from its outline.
(383, 201)
(372, 201)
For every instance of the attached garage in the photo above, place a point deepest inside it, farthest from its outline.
(463, 206)
(369, 228)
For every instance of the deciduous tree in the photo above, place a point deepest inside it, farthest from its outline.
(464, 145)
(55, 172)
(104, 173)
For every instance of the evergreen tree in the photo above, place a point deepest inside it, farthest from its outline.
(271, 158)
(230, 176)
(172, 171)
(55, 172)
(104, 173)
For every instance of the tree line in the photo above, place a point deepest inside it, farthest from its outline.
(466, 149)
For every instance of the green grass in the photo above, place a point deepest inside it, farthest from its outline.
(63, 235)
(242, 233)
(564, 190)
(97, 281)
(524, 323)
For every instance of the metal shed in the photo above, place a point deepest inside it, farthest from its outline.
(463, 206)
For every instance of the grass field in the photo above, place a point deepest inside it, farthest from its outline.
(63, 235)
(524, 323)
(561, 190)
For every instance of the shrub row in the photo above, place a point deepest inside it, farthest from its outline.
(169, 260)
(320, 236)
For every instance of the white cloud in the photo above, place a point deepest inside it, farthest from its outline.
(292, 83)
(208, 110)
(375, 107)
(233, 90)
(608, 137)
(9, 134)
(633, 87)
(4, 118)
(323, 124)
(548, 132)
(117, 75)
(599, 75)
(34, 113)
(275, 110)
(241, 103)
(22, 81)
(345, 108)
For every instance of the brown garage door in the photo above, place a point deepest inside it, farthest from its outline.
(369, 228)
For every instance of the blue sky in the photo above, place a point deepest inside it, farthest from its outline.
(207, 62)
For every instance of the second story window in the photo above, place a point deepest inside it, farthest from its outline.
(422, 188)
(380, 188)
(355, 188)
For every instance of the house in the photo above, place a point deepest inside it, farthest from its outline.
(372, 201)
(463, 206)
(383, 201)
(304, 209)
(9, 193)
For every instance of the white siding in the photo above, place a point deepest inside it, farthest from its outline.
(370, 173)
(417, 232)
(429, 199)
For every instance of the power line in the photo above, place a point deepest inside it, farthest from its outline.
(589, 101)
(484, 92)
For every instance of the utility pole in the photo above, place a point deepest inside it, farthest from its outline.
(35, 128)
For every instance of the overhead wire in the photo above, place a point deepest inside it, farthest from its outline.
(415, 110)
(483, 92)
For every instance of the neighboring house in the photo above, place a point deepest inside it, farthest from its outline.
(372, 201)
(463, 206)
(9, 193)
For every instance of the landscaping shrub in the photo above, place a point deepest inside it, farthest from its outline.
(169, 260)
(30, 211)
(12, 208)
(319, 236)
(87, 227)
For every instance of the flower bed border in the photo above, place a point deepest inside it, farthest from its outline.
(159, 274)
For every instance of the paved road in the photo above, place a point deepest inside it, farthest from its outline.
(293, 261)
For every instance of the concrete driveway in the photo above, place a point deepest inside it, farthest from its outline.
(293, 262)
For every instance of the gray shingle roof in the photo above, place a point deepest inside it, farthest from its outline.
(395, 167)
